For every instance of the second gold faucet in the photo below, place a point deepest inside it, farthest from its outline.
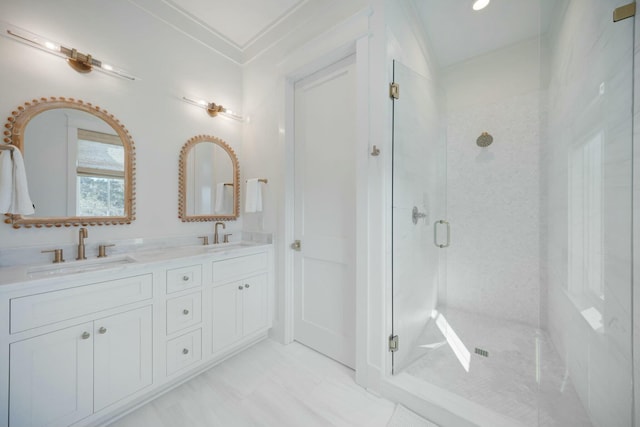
(216, 239)
(82, 234)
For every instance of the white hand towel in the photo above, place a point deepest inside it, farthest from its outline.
(253, 198)
(21, 202)
(220, 199)
(6, 181)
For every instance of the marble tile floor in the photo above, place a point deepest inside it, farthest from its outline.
(267, 385)
(506, 380)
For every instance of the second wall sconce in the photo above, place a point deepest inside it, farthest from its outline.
(212, 108)
(81, 62)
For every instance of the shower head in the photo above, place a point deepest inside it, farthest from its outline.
(484, 140)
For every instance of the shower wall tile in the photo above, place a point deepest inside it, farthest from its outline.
(589, 97)
(493, 206)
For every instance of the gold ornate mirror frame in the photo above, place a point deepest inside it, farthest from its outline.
(14, 135)
(182, 178)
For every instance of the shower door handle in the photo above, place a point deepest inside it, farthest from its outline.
(435, 234)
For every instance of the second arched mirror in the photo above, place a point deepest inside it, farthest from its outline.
(209, 180)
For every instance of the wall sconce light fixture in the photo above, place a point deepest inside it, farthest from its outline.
(81, 62)
(212, 108)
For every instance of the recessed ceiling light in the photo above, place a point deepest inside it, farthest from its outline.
(480, 4)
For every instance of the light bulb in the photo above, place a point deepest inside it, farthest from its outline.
(480, 4)
(52, 46)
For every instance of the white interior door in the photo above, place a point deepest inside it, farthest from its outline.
(324, 273)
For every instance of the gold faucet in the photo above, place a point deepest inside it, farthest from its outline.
(215, 234)
(82, 234)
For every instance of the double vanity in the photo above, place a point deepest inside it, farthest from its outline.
(83, 342)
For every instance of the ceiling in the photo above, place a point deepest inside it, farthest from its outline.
(237, 29)
(241, 29)
(240, 22)
(456, 32)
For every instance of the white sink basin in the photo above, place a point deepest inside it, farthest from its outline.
(220, 247)
(75, 267)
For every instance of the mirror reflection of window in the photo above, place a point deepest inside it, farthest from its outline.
(586, 225)
(100, 174)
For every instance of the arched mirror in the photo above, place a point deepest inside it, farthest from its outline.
(79, 161)
(209, 180)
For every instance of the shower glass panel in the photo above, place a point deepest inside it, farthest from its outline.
(418, 203)
(526, 150)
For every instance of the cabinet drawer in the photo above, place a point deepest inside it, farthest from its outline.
(184, 351)
(184, 278)
(37, 310)
(229, 269)
(183, 312)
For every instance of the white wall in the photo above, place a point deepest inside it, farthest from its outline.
(589, 94)
(169, 66)
(493, 192)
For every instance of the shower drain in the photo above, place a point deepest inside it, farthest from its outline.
(481, 352)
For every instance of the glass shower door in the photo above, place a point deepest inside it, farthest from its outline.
(418, 207)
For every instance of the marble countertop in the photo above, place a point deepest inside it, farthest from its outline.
(97, 268)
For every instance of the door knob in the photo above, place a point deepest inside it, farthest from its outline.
(296, 245)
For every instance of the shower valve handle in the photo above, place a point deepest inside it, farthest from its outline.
(416, 215)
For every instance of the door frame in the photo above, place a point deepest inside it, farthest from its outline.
(359, 47)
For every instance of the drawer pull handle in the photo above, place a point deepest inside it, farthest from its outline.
(185, 351)
(185, 311)
(185, 278)
(246, 285)
(240, 287)
(102, 330)
(85, 335)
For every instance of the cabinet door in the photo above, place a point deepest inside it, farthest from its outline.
(51, 378)
(254, 304)
(122, 354)
(227, 315)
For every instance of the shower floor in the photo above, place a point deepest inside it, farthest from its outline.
(508, 380)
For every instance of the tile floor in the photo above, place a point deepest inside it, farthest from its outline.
(507, 380)
(267, 385)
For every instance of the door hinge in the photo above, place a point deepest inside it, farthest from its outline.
(393, 343)
(624, 12)
(394, 90)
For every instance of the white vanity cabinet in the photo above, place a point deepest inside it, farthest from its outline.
(77, 350)
(239, 309)
(239, 299)
(63, 376)
(52, 378)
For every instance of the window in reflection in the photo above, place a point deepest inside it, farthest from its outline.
(100, 174)
(585, 223)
